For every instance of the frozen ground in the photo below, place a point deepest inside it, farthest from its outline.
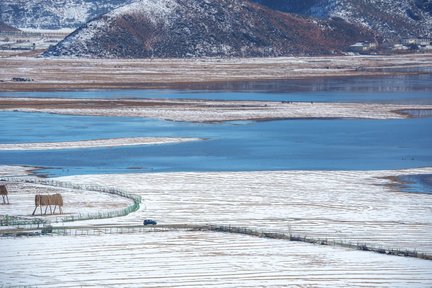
(198, 259)
(355, 206)
(209, 111)
(94, 143)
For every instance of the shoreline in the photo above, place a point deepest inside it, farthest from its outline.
(17, 170)
(60, 74)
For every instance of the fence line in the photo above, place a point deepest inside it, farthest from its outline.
(262, 233)
(133, 229)
(21, 222)
(317, 241)
(82, 187)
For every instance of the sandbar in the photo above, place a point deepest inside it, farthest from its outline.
(211, 110)
(115, 142)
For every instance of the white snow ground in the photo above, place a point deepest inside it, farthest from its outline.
(351, 205)
(198, 259)
(355, 206)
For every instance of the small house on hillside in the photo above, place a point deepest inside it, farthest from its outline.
(360, 47)
(417, 41)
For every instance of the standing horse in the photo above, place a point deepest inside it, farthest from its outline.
(57, 200)
(48, 200)
(4, 194)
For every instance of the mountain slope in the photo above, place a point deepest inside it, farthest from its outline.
(54, 14)
(195, 28)
(391, 19)
(7, 28)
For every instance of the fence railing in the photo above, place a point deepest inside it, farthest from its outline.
(82, 187)
(21, 222)
(97, 230)
(16, 221)
(318, 241)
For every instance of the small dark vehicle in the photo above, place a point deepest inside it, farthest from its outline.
(149, 222)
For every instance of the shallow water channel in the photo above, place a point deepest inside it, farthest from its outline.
(234, 146)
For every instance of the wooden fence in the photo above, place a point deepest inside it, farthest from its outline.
(22, 222)
(97, 230)
(82, 187)
(31, 227)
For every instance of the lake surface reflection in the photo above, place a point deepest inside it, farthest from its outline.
(409, 89)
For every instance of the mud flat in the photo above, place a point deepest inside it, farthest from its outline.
(116, 142)
(210, 110)
(352, 206)
(66, 74)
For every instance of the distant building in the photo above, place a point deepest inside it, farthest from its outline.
(362, 47)
(417, 41)
(399, 47)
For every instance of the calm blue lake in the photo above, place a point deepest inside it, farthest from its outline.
(231, 146)
(234, 146)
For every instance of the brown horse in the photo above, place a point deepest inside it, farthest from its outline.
(48, 200)
(57, 200)
(4, 194)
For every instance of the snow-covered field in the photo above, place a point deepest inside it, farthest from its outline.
(210, 111)
(95, 143)
(355, 206)
(198, 259)
(59, 31)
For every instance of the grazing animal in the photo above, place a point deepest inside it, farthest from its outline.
(4, 194)
(47, 201)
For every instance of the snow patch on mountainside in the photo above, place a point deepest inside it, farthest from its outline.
(54, 14)
(154, 10)
(390, 19)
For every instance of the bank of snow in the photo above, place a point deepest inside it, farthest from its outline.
(95, 143)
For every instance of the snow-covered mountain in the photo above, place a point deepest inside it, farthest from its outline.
(390, 19)
(195, 28)
(7, 28)
(54, 14)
